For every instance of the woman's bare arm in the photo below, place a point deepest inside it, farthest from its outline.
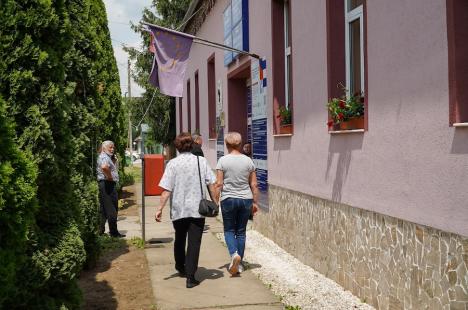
(219, 184)
(254, 189)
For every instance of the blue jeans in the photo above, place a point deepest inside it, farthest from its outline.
(236, 214)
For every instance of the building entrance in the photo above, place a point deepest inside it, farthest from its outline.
(247, 115)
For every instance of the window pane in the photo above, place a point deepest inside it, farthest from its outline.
(286, 24)
(352, 4)
(288, 80)
(355, 50)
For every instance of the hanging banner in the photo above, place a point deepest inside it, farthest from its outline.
(171, 54)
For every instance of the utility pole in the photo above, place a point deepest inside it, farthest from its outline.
(130, 140)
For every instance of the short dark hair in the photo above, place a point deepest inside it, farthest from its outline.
(183, 142)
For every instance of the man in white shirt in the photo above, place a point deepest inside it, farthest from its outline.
(108, 176)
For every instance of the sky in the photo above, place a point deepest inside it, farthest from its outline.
(119, 15)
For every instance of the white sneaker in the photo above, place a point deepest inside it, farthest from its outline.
(234, 265)
(241, 268)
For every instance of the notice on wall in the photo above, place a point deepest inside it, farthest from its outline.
(219, 120)
(259, 126)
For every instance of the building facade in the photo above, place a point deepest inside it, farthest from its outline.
(382, 209)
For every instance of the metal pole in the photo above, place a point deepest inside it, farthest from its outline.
(130, 138)
(203, 41)
(143, 187)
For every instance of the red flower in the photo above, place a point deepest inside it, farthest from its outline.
(330, 123)
(340, 116)
(342, 104)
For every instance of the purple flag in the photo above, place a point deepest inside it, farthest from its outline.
(170, 60)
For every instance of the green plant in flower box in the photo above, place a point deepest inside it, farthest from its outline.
(345, 108)
(285, 115)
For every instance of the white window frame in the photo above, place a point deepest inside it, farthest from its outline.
(355, 14)
(287, 51)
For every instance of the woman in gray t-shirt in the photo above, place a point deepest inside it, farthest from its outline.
(237, 180)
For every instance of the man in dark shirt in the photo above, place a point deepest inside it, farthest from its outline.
(197, 145)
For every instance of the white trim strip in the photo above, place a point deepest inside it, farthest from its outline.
(346, 131)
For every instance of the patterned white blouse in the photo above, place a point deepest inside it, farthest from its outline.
(181, 179)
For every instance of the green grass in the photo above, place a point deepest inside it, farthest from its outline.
(134, 173)
(109, 243)
(292, 308)
(137, 242)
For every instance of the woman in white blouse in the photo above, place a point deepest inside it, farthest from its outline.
(181, 179)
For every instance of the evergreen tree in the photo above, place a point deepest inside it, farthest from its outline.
(17, 204)
(59, 78)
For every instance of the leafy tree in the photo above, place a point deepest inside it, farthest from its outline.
(161, 115)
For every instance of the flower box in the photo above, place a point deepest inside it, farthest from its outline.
(346, 112)
(353, 123)
(286, 129)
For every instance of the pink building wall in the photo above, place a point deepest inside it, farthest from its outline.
(410, 164)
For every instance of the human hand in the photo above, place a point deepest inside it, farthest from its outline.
(158, 215)
(254, 208)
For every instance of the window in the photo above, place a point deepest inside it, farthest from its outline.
(287, 55)
(354, 46)
(211, 97)
(282, 66)
(336, 57)
(457, 34)
(197, 104)
(236, 28)
(181, 122)
(189, 108)
(346, 59)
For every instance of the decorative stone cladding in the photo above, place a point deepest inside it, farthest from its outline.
(387, 262)
(197, 21)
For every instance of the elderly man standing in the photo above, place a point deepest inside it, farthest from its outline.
(108, 176)
(197, 145)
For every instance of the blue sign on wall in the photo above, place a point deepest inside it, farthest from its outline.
(220, 144)
(236, 28)
(259, 127)
(249, 115)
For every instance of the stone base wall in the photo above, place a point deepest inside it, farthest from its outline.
(387, 262)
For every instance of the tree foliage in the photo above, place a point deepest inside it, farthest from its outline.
(60, 82)
(161, 114)
(17, 204)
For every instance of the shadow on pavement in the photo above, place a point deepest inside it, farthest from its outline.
(160, 240)
(208, 274)
(247, 265)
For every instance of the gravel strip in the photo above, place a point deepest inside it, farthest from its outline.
(296, 283)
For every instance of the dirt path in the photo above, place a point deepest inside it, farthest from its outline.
(120, 279)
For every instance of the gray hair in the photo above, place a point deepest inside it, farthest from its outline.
(106, 144)
(195, 137)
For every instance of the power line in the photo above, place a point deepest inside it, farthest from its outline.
(151, 102)
(121, 23)
(118, 41)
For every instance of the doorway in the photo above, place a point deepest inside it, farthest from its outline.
(246, 115)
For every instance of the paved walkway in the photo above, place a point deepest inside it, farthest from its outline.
(218, 290)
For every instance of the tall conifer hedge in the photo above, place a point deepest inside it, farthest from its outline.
(60, 82)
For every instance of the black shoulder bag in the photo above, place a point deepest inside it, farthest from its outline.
(206, 207)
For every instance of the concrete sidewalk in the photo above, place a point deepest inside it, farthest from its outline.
(218, 290)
